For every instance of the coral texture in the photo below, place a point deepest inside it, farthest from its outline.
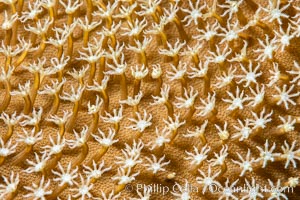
(150, 99)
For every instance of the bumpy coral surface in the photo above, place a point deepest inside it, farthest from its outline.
(150, 99)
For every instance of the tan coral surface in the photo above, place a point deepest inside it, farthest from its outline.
(175, 152)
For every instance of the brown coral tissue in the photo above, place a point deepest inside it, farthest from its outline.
(150, 99)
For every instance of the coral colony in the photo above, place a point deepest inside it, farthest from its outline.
(150, 99)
